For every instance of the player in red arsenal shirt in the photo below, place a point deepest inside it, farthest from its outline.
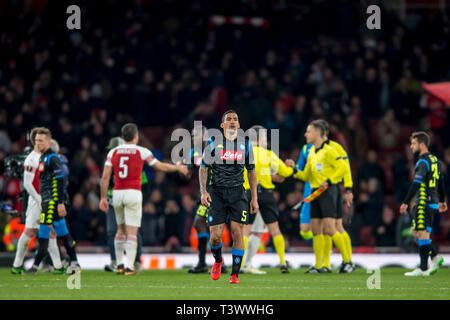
(126, 162)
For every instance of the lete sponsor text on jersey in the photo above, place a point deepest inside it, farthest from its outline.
(231, 155)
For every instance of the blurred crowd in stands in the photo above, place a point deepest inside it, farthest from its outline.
(164, 64)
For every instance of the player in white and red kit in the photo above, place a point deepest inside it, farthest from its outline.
(126, 162)
(31, 185)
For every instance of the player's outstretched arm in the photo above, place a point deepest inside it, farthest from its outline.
(305, 174)
(280, 167)
(168, 167)
(290, 163)
(104, 183)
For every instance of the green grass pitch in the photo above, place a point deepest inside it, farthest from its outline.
(179, 285)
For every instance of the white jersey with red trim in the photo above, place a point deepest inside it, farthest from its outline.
(127, 161)
(31, 165)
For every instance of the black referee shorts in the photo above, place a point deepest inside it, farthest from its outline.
(324, 206)
(228, 202)
(267, 206)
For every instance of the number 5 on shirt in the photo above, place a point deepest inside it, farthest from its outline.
(123, 173)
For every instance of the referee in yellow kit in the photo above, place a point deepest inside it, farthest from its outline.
(267, 163)
(324, 168)
(347, 266)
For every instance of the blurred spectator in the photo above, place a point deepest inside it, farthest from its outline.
(368, 207)
(284, 123)
(388, 131)
(300, 117)
(79, 218)
(370, 93)
(374, 203)
(317, 110)
(150, 228)
(404, 103)
(401, 174)
(289, 219)
(385, 231)
(153, 219)
(172, 226)
(97, 222)
(403, 235)
(371, 169)
(356, 137)
(385, 92)
(189, 205)
(5, 142)
(337, 134)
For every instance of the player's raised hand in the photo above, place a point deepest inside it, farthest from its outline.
(290, 163)
(403, 208)
(104, 206)
(443, 207)
(206, 199)
(254, 207)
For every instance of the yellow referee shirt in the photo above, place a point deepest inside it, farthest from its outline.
(323, 164)
(266, 164)
(348, 181)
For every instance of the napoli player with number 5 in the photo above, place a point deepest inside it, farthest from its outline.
(126, 161)
(226, 157)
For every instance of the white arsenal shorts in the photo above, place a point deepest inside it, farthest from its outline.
(258, 225)
(128, 207)
(32, 214)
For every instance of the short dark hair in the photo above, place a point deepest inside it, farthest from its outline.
(319, 124)
(128, 131)
(227, 112)
(421, 136)
(325, 125)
